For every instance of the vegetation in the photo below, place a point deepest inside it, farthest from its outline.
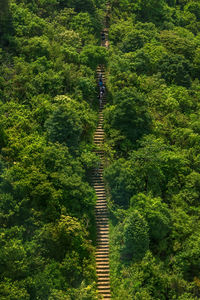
(48, 55)
(153, 136)
(153, 133)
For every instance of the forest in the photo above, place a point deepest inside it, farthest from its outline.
(152, 123)
(49, 53)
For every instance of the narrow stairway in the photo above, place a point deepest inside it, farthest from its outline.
(101, 211)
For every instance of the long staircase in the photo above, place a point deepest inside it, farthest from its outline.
(101, 211)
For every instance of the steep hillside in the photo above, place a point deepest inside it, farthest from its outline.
(48, 105)
(152, 124)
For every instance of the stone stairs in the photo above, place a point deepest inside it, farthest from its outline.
(101, 211)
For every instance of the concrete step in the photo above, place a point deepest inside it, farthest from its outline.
(104, 241)
(98, 138)
(100, 194)
(104, 278)
(102, 256)
(103, 196)
(101, 222)
(105, 263)
(102, 246)
(102, 227)
(103, 233)
(102, 282)
(99, 189)
(98, 178)
(102, 259)
(105, 287)
(101, 219)
(101, 170)
(105, 275)
(102, 252)
(102, 269)
(101, 212)
(106, 295)
(100, 208)
(101, 216)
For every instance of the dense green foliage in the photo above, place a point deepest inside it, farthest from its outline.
(153, 136)
(48, 56)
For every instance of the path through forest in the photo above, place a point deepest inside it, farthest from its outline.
(101, 211)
